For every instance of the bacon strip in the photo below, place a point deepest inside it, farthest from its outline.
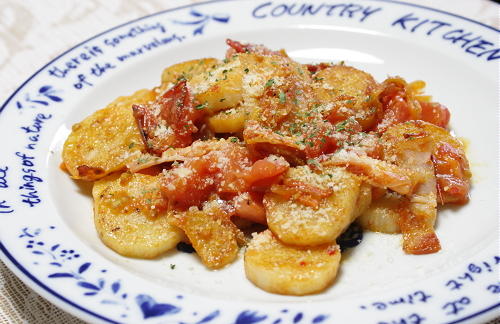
(377, 173)
(418, 233)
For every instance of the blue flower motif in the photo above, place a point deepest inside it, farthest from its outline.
(46, 94)
(63, 262)
(298, 317)
(319, 319)
(150, 308)
(201, 20)
(208, 318)
(249, 317)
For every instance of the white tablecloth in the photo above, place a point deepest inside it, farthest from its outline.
(32, 32)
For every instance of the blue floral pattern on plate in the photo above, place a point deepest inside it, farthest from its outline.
(67, 264)
(45, 95)
(200, 20)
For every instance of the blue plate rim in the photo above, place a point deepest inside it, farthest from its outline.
(18, 266)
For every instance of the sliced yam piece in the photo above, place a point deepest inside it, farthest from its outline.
(228, 121)
(276, 90)
(214, 237)
(268, 87)
(130, 217)
(382, 215)
(350, 91)
(364, 199)
(298, 224)
(289, 270)
(220, 87)
(185, 70)
(105, 141)
(347, 80)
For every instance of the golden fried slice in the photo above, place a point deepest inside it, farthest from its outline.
(185, 70)
(281, 269)
(129, 217)
(228, 121)
(382, 215)
(350, 90)
(297, 224)
(213, 235)
(276, 91)
(220, 87)
(364, 200)
(105, 141)
(268, 87)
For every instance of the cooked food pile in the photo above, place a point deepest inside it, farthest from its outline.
(257, 138)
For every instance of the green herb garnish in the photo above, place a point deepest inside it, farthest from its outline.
(269, 83)
(282, 97)
(341, 126)
(201, 106)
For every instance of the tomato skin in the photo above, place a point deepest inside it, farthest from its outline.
(395, 108)
(237, 48)
(192, 188)
(174, 111)
(399, 105)
(319, 140)
(152, 170)
(230, 177)
(264, 173)
(314, 68)
(452, 174)
(178, 110)
(250, 206)
(228, 173)
(435, 113)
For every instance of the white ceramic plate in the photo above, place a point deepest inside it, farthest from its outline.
(47, 234)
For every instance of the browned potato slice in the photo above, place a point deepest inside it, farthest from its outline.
(213, 235)
(382, 215)
(219, 88)
(246, 78)
(364, 199)
(288, 270)
(185, 70)
(297, 224)
(276, 90)
(350, 90)
(346, 80)
(129, 218)
(228, 121)
(105, 141)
